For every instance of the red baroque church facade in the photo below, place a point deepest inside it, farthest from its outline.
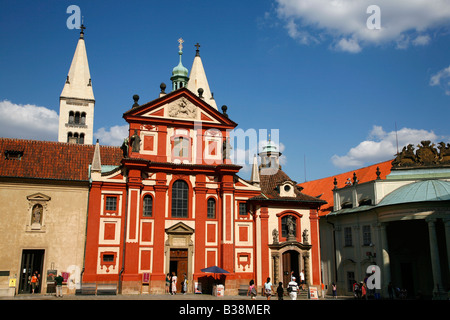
(177, 204)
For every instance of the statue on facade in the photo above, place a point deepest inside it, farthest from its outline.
(135, 142)
(125, 148)
(226, 148)
(36, 215)
(305, 235)
(444, 152)
(291, 228)
(275, 236)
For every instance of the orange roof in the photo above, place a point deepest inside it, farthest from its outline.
(52, 160)
(325, 186)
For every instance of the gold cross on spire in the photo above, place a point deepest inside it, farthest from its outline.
(180, 41)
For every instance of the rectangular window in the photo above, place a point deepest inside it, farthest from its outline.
(242, 209)
(348, 237)
(111, 204)
(148, 204)
(211, 213)
(181, 147)
(367, 237)
(108, 258)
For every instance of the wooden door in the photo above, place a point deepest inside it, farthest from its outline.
(179, 264)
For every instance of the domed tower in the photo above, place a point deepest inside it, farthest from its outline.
(179, 73)
(270, 157)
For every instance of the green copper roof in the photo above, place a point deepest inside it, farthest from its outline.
(180, 70)
(270, 147)
(428, 190)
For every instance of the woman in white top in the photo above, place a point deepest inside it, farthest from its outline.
(268, 289)
(174, 283)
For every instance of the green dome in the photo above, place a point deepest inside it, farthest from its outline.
(270, 147)
(428, 190)
(180, 70)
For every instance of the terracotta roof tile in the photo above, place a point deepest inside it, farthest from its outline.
(325, 186)
(52, 160)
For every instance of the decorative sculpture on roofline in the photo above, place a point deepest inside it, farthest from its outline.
(427, 155)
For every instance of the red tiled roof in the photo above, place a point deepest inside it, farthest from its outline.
(52, 160)
(325, 186)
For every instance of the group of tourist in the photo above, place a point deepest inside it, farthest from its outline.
(172, 281)
(292, 288)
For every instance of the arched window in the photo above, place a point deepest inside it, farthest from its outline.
(83, 118)
(211, 208)
(81, 138)
(69, 137)
(148, 206)
(71, 117)
(285, 225)
(77, 118)
(180, 199)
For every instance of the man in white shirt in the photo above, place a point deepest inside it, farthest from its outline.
(302, 279)
(293, 289)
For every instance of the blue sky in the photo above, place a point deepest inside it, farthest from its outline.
(334, 89)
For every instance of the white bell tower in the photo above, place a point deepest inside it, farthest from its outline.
(76, 103)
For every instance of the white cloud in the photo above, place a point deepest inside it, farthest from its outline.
(402, 22)
(442, 79)
(381, 146)
(28, 121)
(113, 136)
(350, 45)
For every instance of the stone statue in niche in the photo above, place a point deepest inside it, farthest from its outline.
(291, 228)
(36, 217)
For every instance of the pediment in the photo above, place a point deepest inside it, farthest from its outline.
(180, 228)
(38, 197)
(180, 105)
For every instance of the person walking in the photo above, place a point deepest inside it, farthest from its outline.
(59, 281)
(293, 289)
(302, 279)
(184, 284)
(34, 281)
(174, 283)
(252, 290)
(168, 280)
(268, 289)
(363, 291)
(280, 291)
(334, 289)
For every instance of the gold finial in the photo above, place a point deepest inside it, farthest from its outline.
(180, 41)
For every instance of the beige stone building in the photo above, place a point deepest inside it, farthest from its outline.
(44, 190)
